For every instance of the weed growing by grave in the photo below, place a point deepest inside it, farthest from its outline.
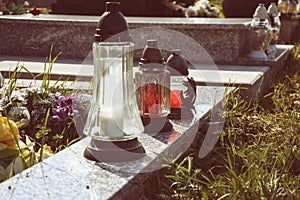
(258, 154)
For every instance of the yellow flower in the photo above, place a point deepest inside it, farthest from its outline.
(9, 134)
(47, 152)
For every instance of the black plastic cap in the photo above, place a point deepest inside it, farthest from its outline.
(177, 63)
(113, 7)
(151, 53)
(112, 22)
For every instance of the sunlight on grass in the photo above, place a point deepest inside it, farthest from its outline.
(258, 154)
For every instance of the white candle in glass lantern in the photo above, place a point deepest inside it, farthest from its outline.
(111, 121)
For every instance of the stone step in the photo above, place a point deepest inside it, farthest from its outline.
(250, 74)
(79, 75)
(229, 75)
(248, 78)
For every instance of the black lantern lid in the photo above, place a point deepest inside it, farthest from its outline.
(151, 53)
(177, 63)
(111, 23)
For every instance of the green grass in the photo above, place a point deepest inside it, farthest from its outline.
(258, 154)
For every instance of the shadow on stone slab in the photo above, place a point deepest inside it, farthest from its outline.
(115, 151)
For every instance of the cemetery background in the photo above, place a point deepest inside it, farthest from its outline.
(204, 180)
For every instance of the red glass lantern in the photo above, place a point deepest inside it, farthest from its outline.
(153, 89)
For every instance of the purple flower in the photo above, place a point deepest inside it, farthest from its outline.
(63, 110)
(65, 101)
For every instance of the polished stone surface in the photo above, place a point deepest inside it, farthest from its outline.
(224, 39)
(68, 175)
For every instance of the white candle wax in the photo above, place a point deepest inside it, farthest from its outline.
(111, 121)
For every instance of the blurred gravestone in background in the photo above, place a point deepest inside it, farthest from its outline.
(147, 8)
(242, 8)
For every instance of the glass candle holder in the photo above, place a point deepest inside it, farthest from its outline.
(113, 121)
(260, 32)
(283, 6)
(113, 112)
(292, 10)
(275, 28)
(153, 89)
